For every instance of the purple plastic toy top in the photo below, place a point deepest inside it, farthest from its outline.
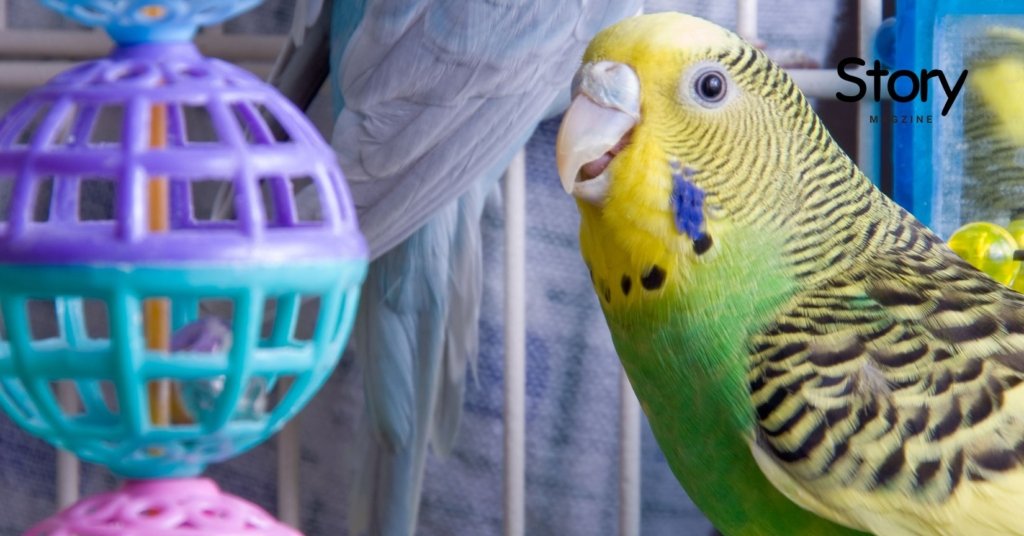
(79, 156)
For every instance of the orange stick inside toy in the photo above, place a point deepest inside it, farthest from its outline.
(156, 311)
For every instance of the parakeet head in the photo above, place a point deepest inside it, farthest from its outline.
(679, 131)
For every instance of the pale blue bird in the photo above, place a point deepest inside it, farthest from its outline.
(433, 99)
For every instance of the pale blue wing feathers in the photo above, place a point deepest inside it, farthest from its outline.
(433, 99)
(435, 92)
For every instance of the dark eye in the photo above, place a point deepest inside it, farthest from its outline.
(710, 86)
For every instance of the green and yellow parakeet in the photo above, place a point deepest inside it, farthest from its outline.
(811, 358)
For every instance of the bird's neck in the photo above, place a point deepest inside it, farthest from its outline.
(693, 332)
(838, 223)
(686, 355)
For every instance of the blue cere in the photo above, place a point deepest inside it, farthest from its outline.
(687, 204)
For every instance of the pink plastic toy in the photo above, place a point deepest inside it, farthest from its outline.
(172, 507)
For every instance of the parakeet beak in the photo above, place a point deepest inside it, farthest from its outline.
(596, 127)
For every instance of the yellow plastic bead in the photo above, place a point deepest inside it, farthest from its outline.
(989, 248)
(1016, 228)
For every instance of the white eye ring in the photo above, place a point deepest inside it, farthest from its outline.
(708, 85)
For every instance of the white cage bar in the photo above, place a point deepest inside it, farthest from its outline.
(515, 346)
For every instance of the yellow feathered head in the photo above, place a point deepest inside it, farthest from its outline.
(675, 118)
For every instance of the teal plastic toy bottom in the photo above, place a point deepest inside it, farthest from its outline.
(79, 331)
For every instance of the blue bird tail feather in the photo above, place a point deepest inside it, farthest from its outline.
(417, 334)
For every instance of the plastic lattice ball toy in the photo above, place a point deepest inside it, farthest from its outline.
(148, 21)
(121, 290)
(174, 507)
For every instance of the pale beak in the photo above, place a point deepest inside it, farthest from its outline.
(596, 127)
